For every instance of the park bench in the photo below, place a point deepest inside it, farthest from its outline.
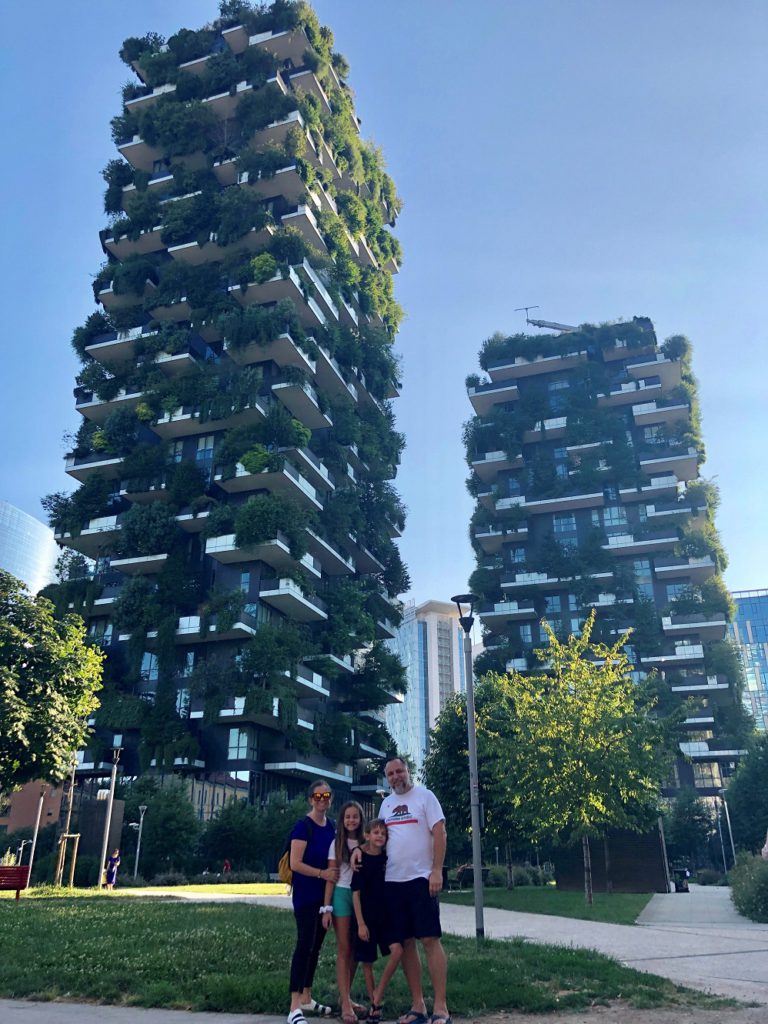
(14, 878)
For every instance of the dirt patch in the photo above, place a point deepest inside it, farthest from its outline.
(622, 1014)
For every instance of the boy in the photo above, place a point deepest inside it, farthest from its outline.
(370, 905)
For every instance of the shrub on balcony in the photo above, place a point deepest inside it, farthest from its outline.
(187, 44)
(219, 521)
(117, 174)
(177, 128)
(264, 163)
(186, 482)
(119, 433)
(262, 268)
(262, 107)
(262, 517)
(239, 211)
(702, 543)
(147, 530)
(69, 513)
(136, 46)
(192, 218)
(96, 324)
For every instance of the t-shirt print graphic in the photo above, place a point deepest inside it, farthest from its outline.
(400, 815)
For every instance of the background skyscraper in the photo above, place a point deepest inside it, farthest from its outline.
(27, 548)
(750, 631)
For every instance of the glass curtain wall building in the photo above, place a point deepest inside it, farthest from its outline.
(28, 550)
(430, 644)
(750, 631)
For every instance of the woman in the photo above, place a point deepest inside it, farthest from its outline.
(112, 865)
(310, 838)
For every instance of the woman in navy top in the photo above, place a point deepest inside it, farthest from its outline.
(311, 838)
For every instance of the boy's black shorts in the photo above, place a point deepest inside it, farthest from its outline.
(366, 952)
(413, 913)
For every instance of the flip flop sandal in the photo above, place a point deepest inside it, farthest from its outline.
(440, 1018)
(297, 1017)
(374, 1014)
(414, 1017)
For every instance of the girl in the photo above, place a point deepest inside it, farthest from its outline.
(348, 836)
(310, 838)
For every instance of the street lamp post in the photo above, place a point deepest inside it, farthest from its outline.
(35, 834)
(108, 818)
(467, 622)
(142, 812)
(728, 823)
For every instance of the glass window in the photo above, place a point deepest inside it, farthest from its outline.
(187, 663)
(558, 385)
(677, 590)
(552, 603)
(565, 523)
(561, 471)
(525, 633)
(517, 556)
(560, 454)
(240, 744)
(177, 451)
(707, 776)
(182, 703)
(205, 448)
(148, 665)
(245, 582)
(572, 606)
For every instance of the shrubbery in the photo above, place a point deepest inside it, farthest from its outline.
(749, 887)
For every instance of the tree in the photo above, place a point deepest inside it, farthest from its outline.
(446, 767)
(588, 754)
(171, 829)
(747, 797)
(688, 827)
(49, 676)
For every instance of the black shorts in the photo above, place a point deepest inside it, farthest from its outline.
(413, 913)
(367, 952)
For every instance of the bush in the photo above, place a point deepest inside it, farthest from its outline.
(749, 887)
(521, 875)
(170, 878)
(708, 876)
(231, 878)
(497, 877)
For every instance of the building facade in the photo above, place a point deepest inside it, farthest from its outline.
(237, 442)
(429, 643)
(28, 550)
(584, 453)
(750, 631)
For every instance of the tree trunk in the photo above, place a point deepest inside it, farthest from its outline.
(508, 861)
(608, 880)
(587, 870)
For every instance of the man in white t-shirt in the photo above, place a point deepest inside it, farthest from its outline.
(415, 853)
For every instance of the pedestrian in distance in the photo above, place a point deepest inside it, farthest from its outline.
(112, 865)
(349, 835)
(373, 928)
(310, 840)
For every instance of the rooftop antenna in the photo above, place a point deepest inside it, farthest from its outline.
(519, 309)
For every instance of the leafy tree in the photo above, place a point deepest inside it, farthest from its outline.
(49, 676)
(688, 827)
(747, 797)
(588, 753)
(171, 830)
(234, 834)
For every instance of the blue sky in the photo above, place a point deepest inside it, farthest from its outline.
(600, 159)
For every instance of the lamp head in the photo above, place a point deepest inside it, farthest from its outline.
(468, 619)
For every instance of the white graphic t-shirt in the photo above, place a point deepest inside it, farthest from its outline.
(345, 868)
(410, 819)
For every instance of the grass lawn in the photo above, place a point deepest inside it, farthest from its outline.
(617, 908)
(234, 957)
(39, 892)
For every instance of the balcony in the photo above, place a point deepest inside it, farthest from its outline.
(302, 219)
(147, 242)
(529, 579)
(223, 104)
(673, 513)
(626, 544)
(310, 685)
(684, 464)
(386, 629)
(683, 654)
(141, 102)
(331, 378)
(139, 154)
(547, 430)
(97, 409)
(194, 253)
(187, 421)
(98, 536)
(519, 367)
(493, 463)
(608, 600)
(275, 552)
(96, 463)
(275, 134)
(110, 299)
(628, 393)
(659, 487)
(696, 570)
(517, 665)
(305, 80)
(502, 611)
(621, 350)
(286, 182)
(145, 489)
(118, 347)
(287, 597)
(365, 561)
(285, 46)
(650, 413)
(704, 628)
(139, 565)
(159, 181)
(702, 686)
(189, 629)
(484, 396)
(306, 766)
(667, 370)
(492, 540)
(302, 403)
(191, 522)
(333, 560)
(283, 350)
(278, 288)
(286, 481)
(565, 503)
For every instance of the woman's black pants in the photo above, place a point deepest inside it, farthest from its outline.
(309, 938)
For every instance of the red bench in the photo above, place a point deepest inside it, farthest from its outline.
(14, 878)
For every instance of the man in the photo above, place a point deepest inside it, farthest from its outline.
(415, 854)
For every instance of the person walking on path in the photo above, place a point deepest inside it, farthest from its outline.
(310, 840)
(414, 876)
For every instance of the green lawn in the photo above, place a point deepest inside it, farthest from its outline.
(234, 957)
(245, 889)
(618, 908)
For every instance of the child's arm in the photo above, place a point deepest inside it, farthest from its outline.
(328, 898)
(362, 927)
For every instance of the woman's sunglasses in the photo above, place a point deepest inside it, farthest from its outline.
(321, 796)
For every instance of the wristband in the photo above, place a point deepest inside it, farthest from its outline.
(326, 910)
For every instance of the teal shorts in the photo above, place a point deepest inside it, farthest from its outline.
(342, 902)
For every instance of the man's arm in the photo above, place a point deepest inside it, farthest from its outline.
(439, 841)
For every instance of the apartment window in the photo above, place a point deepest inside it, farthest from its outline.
(149, 666)
(560, 454)
(611, 493)
(558, 385)
(707, 776)
(245, 582)
(561, 471)
(653, 435)
(525, 633)
(643, 578)
(517, 556)
(565, 523)
(101, 630)
(614, 515)
(552, 604)
(675, 590)
(205, 449)
(572, 605)
(182, 703)
(177, 451)
(576, 624)
(187, 664)
(240, 744)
